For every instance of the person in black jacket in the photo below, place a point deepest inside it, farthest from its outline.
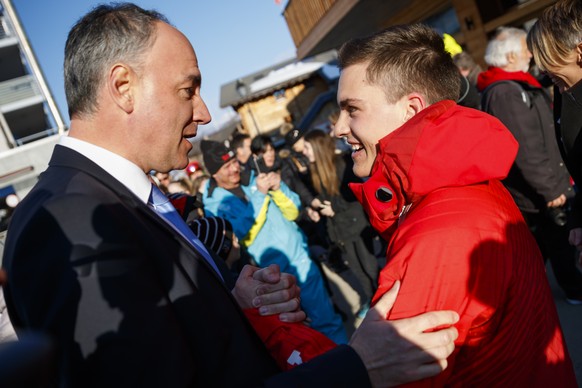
(295, 168)
(555, 43)
(538, 179)
(347, 224)
(294, 171)
(241, 145)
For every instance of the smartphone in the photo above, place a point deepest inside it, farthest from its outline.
(256, 164)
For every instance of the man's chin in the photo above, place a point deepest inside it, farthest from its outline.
(362, 171)
(182, 164)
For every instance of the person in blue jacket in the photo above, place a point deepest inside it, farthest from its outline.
(262, 215)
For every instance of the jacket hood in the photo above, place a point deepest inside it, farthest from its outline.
(495, 74)
(444, 145)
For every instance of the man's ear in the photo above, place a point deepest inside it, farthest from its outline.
(415, 102)
(511, 57)
(119, 86)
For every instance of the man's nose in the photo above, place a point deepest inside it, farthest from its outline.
(200, 113)
(340, 128)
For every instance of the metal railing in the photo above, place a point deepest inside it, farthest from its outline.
(4, 28)
(35, 136)
(18, 89)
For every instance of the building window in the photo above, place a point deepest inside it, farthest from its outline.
(279, 95)
(445, 22)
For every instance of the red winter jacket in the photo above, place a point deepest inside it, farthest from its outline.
(458, 242)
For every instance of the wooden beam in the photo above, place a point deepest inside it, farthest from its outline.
(335, 14)
(519, 14)
(475, 38)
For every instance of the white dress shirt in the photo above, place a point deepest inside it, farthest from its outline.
(126, 172)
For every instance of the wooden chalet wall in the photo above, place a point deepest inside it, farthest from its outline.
(313, 21)
(266, 114)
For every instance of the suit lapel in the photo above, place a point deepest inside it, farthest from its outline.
(189, 259)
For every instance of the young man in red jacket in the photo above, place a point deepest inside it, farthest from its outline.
(456, 238)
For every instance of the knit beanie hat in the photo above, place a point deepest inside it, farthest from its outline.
(215, 155)
(215, 233)
(292, 136)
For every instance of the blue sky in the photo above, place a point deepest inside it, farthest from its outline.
(231, 38)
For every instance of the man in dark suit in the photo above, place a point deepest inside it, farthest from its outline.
(127, 298)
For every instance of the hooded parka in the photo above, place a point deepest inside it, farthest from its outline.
(457, 241)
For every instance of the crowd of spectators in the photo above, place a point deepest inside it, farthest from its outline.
(458, 227)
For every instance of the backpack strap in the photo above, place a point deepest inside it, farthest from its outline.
(524, 95)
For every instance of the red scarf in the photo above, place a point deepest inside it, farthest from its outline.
(495, 74)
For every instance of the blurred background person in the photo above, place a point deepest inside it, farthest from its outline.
(7, 332)
(294, 171)
(193, 170)
(538, 180)
(468, 95)
(241, 145)
(180, 185)
(198, 183)
(347, 224)
(341, 144)
(467, 66)
(555, 41)
(264, 158)
(162, 180)
(25, 361)
(262, 215)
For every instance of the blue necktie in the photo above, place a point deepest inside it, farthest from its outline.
(162, 205)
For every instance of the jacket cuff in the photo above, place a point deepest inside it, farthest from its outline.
(290, 344)
(338, 368)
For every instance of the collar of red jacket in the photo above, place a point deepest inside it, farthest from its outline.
(494, 74)
(444, 145)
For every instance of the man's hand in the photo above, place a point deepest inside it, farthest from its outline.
(576, 240)
(263, 183)
(557, 202)
(399, 351)
(271, 291)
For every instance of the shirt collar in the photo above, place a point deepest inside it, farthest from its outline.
(126, 172)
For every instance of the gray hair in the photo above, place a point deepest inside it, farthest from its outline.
(107, 34)
(507, 40)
